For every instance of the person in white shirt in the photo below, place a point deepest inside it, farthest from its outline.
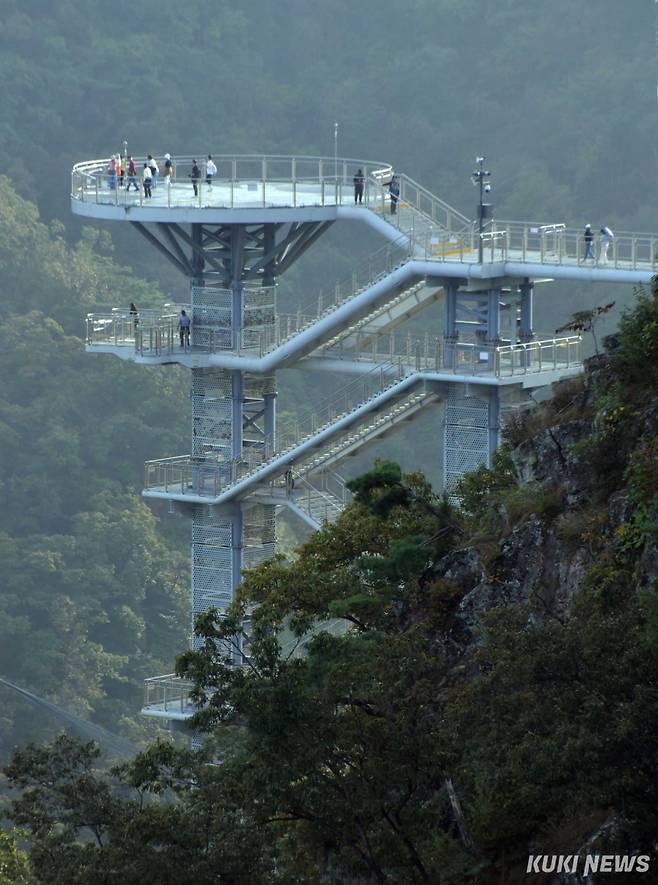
(153, 166)
(211, 170)
(147, 177)
(605, 239)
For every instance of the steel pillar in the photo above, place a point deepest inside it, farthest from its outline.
(526, 290)
(232, 271)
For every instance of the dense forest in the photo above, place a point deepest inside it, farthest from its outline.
(561, 98)
(493, 693)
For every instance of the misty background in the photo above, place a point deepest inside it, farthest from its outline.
(560, 97)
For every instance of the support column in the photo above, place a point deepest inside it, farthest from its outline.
(493, 314)
(526, 289)
(237, 399)
(270, 422)
(237, 263)
(451, 335)
(494, 423)
(466, 433)
(269, 242)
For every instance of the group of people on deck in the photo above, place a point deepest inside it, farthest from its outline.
(120, 168)
(606, 237)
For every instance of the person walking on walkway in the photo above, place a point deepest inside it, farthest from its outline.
(605, 239)
(153, 166)
(184, 324)
(211, 170)
(147, 178)
(112, 173)
(394, 190)
(588, 237)
(168, 170)
(134, 314)
(358, 186)
(195, 175)
(132, 175)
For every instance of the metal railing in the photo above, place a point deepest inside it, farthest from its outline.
(324, 498)
(432, 353)
(155, 332)
(168, 694)
(240, 181)
(551, 244)
(208, 476)
(251, 180)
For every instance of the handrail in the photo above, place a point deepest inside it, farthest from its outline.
(209, 476)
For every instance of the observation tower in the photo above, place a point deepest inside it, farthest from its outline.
(231, 241)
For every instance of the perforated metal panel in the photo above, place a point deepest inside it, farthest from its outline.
(212, 317)
(258, 534)
(211, 413)
(212, 571)
(466, 436)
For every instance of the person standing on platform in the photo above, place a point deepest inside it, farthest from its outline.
(112, 173)
(211, 170)
(394, 190)
(588, 238)
(134, 314)
(195, 175)
(168, 170)
(147, 178)
(605, 239)
(358, 187)
(132, 175)
(153, 166)
(184, 324)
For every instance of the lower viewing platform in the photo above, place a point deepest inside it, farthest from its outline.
(168, 697)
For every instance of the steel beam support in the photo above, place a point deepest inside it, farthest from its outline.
(527, 297)
(451, 308)
(493, 314)
(185, 269)
(237, 397)
(305, 242)
(270, 422)
(237, 264)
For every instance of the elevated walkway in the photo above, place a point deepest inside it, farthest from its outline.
(315, 189)
(364, 410)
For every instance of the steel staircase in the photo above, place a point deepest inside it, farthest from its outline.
(388, 316)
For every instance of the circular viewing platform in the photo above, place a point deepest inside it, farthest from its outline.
(244, 183)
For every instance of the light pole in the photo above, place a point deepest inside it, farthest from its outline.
(336, 152)
(480, 178)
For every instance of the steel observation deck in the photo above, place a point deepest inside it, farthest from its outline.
(288, 188)
(243, 457)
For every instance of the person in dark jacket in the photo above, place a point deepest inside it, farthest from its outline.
(588, 237)
(195, 175)
(394, 190)
(132, 175)
(184, 324)
(358, 186)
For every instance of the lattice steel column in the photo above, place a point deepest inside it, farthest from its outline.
(470, 434)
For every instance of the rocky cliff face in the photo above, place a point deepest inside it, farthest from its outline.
(582, 485)
(542, 558)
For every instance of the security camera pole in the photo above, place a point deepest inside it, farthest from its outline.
(484, 209)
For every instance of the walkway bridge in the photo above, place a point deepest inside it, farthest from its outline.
(232, 238)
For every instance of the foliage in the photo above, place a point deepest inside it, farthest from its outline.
(479, 490)
(586, 321)
(93, 593)
(635, 357)
(15, 866)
